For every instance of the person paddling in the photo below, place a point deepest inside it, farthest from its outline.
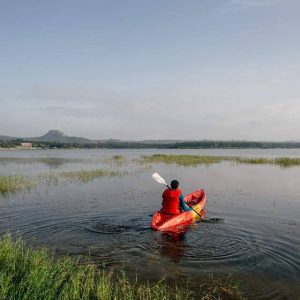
(173, 200)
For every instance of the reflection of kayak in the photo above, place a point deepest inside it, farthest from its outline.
(171, 223)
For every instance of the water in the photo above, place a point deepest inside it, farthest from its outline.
(254, 234)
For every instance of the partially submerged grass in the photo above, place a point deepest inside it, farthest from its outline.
(34, 274)
(15, 183)
(194, 160)
(183, 160)
(287, 161)
(280, 161)
(88, 175)
(253, 161)
(216, 287)
(117, 159)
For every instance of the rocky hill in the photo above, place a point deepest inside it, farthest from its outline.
(52, 136)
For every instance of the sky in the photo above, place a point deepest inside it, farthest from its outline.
(151, 69)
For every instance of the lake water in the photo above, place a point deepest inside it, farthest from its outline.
(257, 241)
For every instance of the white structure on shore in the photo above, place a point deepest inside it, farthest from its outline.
(26, 145)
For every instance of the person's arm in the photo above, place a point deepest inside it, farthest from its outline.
(183, 205)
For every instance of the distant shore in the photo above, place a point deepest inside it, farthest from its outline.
(146, 145)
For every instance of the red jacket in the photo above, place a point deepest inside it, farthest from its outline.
(171, 202)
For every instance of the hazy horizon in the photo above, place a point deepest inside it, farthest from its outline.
(140, 140)
(142, 70)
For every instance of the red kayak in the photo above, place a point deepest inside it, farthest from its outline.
(173, 223)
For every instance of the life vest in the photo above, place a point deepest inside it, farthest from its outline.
(171, 202)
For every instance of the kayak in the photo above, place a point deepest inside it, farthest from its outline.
(173, 223)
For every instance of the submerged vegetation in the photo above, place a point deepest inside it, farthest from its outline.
(27, 273)
(18, 183)
(88, 175)
(194, 160)
(116, 159)
(183, 160)
(50, 161)
(15, 183)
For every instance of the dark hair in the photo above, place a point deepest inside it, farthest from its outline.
(174, 184)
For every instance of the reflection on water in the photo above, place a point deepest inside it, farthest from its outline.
(53, 162)
(172, 245)
(108, 228)
(251, 230)
(212, 220)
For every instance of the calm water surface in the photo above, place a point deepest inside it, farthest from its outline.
(257, 243)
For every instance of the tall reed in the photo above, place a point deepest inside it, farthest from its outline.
(15, 183)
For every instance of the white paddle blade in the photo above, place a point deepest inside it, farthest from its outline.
(158, 178)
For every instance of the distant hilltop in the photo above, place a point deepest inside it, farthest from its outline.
(52, 136)
(57, 136)
(57, 139)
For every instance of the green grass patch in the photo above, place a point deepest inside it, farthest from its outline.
(280, 161)
(18, 183)
(15, 183)
(253, 161)
(183, 160)
(218, 287)
(287, 161)
(34, 274)
(194, 160)
(88, 175)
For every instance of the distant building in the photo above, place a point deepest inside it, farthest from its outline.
(26, 145)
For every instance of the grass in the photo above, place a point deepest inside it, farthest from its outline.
(15, 183)
(194, 160)
(287, 162)
(88, 175)
(27, 273)
(183, 160)
(220, 288)
(280, 161)
(34, 274)
(117, 159)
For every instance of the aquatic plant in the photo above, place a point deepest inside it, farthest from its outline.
(27, 273)
(194, 160)
(218, 287)
(87, 175)
(287, 161)
(253, 161)
(183, 160)
(281, 161)
(116, 159)
(15, 183)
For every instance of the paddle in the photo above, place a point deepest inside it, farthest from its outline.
(160, 180)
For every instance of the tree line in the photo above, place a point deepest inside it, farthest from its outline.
(145, 145)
